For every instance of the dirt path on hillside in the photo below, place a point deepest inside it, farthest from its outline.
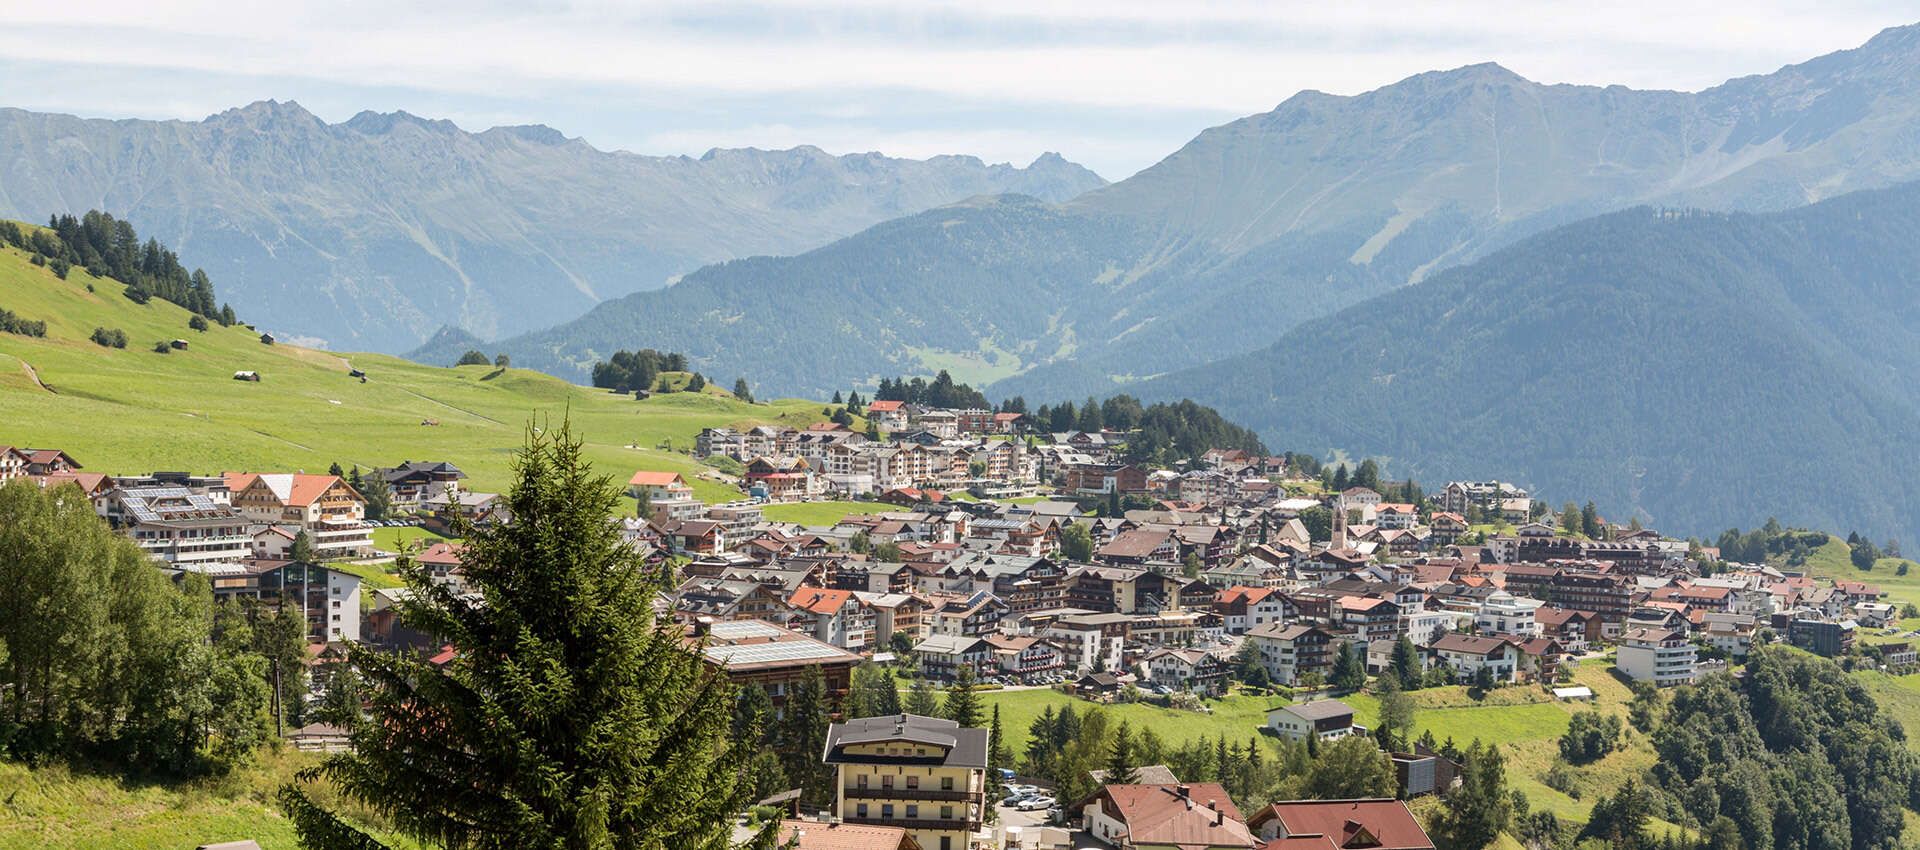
(34, 376)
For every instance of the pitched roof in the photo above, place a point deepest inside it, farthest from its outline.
(297, 489)
(644, 478)
(1469, 644)
(963, 746)
(813, 835)
(820, 600)
(1197, 814)
(1319, 709)
(884, 406)
(1388, 823)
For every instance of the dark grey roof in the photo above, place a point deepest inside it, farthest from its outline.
(957, 746)
(1320, 709)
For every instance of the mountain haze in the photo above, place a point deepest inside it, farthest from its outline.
(373, 232)
(1695, 369)
(1275, 219)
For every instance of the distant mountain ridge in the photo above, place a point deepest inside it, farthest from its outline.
(1698, 370)
(1263, 223)
(374, 232)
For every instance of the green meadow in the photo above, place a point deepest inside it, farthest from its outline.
(134, 410)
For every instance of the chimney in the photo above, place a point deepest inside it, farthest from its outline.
(1219, 815)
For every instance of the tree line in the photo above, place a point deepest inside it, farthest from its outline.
(110, 248)
(628, 371)
(108, 662)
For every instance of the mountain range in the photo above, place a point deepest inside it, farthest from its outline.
(372, 233)
(1261, 224)
(1693, 369)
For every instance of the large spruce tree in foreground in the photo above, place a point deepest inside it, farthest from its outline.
(570, 719)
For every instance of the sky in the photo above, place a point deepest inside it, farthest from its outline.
(1112, 84)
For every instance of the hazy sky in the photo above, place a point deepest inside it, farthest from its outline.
(1114, 84)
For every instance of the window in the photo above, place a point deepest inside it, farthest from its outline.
(860, 811)
(946, 783)
(886, 811)
(913, 782)
(913, 812)
(946, 813)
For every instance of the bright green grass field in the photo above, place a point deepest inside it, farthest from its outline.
(132, 410)
(1236, 716)
(822, 513)
(53, 808)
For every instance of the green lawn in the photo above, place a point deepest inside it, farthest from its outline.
(53, 808)
(1236, 716)
(822, 513)
(393, 539)
(132, 410)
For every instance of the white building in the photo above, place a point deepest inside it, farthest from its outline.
(1506, 614)
(1661, 656)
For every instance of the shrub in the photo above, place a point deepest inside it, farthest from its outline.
(114, 338)
(198, 323)
(1590, 736)
(15, 324)
(162, 347)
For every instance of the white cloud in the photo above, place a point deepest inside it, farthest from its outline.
(1147, 58)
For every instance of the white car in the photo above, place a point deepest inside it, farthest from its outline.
(1034, 804)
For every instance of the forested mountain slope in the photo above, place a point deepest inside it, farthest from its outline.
(1697, 369)
(1278, 218)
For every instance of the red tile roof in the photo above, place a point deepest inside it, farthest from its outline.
(643, 478)
(1160, 815)
(1374, 824)
(820, 600)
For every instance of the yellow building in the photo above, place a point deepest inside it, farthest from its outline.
(923, 774)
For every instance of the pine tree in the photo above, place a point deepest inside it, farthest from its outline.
(570, 717)
(741, 391)
(301, 551)
(1405, 664)
(1120, 761)
(1481, 809)
(921, 699)
(801, 736)
(997, 756)
(963, 704)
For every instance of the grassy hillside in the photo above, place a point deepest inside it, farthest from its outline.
(133, 410)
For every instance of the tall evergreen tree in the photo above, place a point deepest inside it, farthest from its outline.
(963, 703)
(921, 699)
(1120, 761)
(1481, 809)
(801, 736)
(571, 716)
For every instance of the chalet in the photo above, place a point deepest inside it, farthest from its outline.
(42, 462)
(1025, 656)
(1369, 824)
(1469, 654)
(1326, 719)
(1193, 670)
(1193, 816)
(1242, 609)
(1290, 653)
(942, 656)
(781, 479)
(834, 617)
(331, 513)
(412, 482)
(13, 463)
(888, 415)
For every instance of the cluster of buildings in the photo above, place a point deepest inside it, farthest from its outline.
(238, 528)
(920, 783)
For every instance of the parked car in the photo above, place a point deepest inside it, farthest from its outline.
(1034, 804)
